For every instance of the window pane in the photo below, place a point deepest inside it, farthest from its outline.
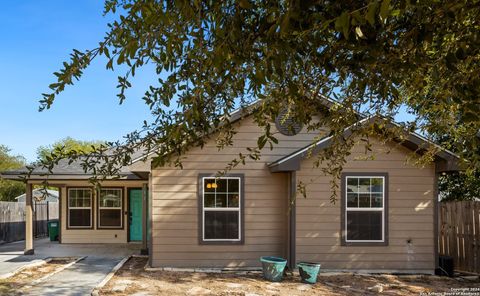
(364, 225)
(79, 198)
(111, 198)
(377, 185)
(79, 217)
(233, 185)
(352, 200)
(233, 200)
(85, 202)
(352, 184)
(364, 185)
(221, 185)
(209, 200)
(377, 200)
(209, 185)
(221, 200)
(110, 217)
(72, 201)
(221, 225)
(364, 200)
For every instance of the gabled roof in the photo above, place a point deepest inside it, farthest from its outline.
(446, 160)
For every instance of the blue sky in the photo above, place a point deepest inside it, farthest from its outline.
(37, 36)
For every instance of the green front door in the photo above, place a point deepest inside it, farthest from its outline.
(135, 215)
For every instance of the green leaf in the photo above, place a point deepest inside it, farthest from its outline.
(285, 23)
(395, 12)
(121, 58)
(371, 13)
(262, 140)
(384, 10)
(342, 24)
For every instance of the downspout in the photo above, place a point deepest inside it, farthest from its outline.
(150, 218)
(144, 250)
(435, 219)
(292, 220)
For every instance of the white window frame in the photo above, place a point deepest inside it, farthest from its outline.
(370, 209)
(80, 208)
(100, 208)
(226, 209)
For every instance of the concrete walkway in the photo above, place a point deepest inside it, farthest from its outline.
(80, 278)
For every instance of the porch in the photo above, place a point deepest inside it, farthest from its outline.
(113, 214)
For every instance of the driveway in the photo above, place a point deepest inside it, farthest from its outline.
(78, 279)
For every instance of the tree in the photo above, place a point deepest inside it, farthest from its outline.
(67, 144)
(10, 189)
(373, 57)
(459, 186)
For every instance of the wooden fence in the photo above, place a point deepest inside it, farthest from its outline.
(12, 219)
(459, 237)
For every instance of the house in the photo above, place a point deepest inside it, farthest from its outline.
(385, 220)
(40, 195)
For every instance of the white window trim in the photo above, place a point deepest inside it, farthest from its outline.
(382, 209)
(110, 208)
(226, 209)
(80, 208)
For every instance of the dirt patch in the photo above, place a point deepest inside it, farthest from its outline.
(396, 284)
(132, 279)
(12, 285)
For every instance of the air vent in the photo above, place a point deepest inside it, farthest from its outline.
(286, 124)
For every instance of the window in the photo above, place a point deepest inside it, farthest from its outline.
(364, 219)
(110, 208)
(221, 209)
(79, 207)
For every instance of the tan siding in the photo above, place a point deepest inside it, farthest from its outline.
(95, 236)
(175, 213)
(410, 216)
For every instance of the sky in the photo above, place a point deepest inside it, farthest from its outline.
(37, 36)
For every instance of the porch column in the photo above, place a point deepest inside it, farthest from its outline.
(144, 250)
(28, 222)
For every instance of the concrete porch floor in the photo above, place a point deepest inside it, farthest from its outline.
(11, 254)
(78, 279)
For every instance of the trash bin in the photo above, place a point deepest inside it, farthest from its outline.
(53, 226)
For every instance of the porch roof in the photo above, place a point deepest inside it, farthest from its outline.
(65, 170)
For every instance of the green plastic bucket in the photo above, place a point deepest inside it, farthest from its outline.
(308, 271)
(273, 268)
